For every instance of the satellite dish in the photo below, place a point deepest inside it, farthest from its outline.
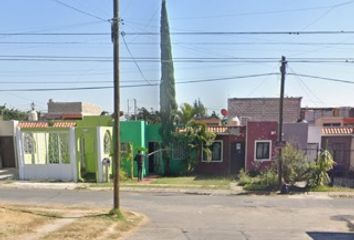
(224, 112)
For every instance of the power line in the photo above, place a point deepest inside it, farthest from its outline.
(329, 32)
(137, 85)
(321, 78)
(268, 12)
(134, 60)
(323, 32)
(56, 34)
(178, 43)
(54, 58)
(80, 11)
(228, 78)
(305, 87)
(179, 82)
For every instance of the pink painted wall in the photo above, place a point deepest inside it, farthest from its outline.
(259, 131)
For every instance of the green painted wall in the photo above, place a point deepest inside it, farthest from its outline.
(86, 140)
(133, 132)
(95, 121)
(153, 135)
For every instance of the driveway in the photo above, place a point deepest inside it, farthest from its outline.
(188, 216)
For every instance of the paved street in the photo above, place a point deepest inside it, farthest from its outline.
(187, 216)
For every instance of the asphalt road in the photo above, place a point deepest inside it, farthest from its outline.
(188, 217)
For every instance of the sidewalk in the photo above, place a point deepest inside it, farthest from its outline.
(146, 186)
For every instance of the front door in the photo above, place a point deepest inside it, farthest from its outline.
(7, 152)
(237, 157)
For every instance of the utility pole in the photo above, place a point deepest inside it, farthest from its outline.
(135, 109)
(116, 126)
(280, 127)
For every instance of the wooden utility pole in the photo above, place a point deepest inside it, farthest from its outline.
(116, 126)
(280, 126)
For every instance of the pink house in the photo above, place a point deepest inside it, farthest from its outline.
(261, 138)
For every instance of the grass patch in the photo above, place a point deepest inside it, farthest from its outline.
(17, 221)
(331, 189)
(97, 227)
(196, 181)
(204, 182)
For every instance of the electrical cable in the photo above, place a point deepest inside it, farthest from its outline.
(80, 11)
(134, 60)
(321, 78)
(137, 85)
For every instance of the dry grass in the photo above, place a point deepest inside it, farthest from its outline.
(14, 223)
(18, 222)
(97, 227)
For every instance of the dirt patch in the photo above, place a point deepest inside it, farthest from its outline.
(28, 222)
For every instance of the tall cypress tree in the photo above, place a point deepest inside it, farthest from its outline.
(168, 105)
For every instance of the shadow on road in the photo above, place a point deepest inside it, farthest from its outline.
(331, 236)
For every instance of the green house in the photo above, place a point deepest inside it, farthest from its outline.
(80, 149)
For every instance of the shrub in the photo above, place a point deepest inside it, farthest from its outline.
(123, 176)
(319, 171)
(265, 181)
(295, 164)
(244, 178)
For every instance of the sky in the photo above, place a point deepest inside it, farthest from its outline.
(31, 61)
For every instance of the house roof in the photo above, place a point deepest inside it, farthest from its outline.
(337, 131)
(60, 124)
(64, 124)
(33, 124)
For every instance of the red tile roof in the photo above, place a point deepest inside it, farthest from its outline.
(64, 124)
(33, 124)
(337, 131)
(61, 124)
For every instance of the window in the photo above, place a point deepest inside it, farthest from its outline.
(29, 144)
(216, 153)
(107, 142)
(58, 148)
(263, 150)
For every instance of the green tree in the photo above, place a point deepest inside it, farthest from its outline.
(295, 164)
(12, 113)
(189, 112)
(149, 117)
(200, 110)
(194, 139)
(320, 169)
(185, 114)
(168, 105)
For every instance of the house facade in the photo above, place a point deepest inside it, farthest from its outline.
(340, 142)
(261, 140)
(227, 152)
(304, 137)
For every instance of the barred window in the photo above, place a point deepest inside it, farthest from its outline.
(107, 142)
(29, 143)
